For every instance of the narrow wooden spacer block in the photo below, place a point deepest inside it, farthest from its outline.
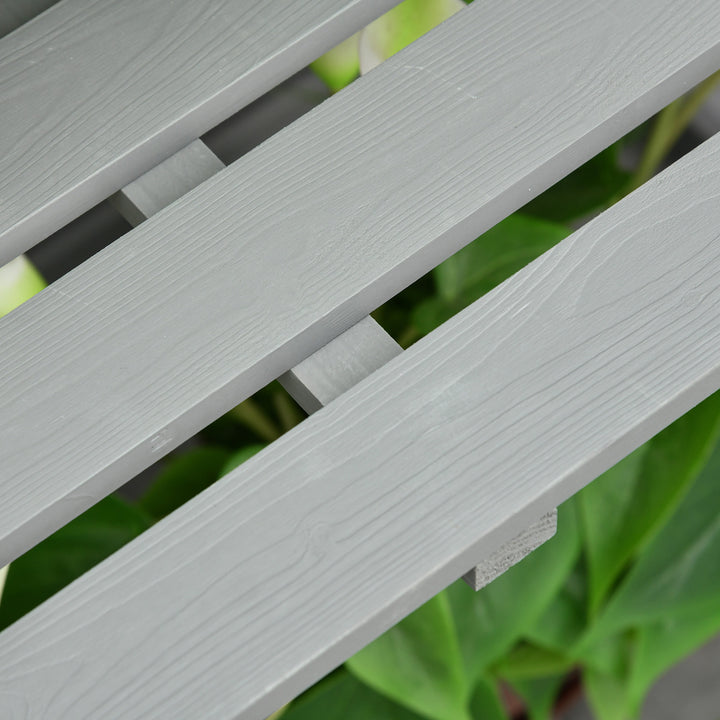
(337, 366)
(512, 552)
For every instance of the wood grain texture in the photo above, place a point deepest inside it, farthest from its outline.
(93, 93)
(350, 358)
(313, 547)
(181, 319)
(337, 366)
(512, 552)
(329, 371)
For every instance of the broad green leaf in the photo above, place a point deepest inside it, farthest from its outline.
(539, 694)
(593, 186)
(400, 26)
(606, 510)
(495, 256)
(624, 508)
(564, 620)
(418, 664)
(343, 697)
(339, 66)
(485, 703)
(490, 621)
(68, 553)
(530, 662)
(608, 655)
(662, 644)
(183, 477)
(238, 458)
(607, 696)
(678, 573)
(19, 281)
(483, 264)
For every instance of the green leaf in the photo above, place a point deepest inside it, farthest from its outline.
(418, 664)
(528, 662)
(342, 697)
(678, 573)
(183, 477)
(339, 66)
(19, 281)
(490, 621)
(593, 186)
(400, 26)
(564, 620)
(607, 696)
(483, 264)
(539, 694)
(609, 655)
(662, 644)
(495, 256)
(68, 553)
(624, 508)
(238, 458)
(485, 703)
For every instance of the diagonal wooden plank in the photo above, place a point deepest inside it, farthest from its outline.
(330, 370)
(379, 500)
(124, 358)
(130, 82)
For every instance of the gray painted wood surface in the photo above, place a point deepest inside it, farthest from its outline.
(512, 552)
(350, 358)
(281, 570)
(130, 82)
(124, 358)
(329, 371)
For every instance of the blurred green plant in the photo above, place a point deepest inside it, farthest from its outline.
(628, 586)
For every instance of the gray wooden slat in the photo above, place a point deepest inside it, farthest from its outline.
(333, 368)
(124, 358)
(93, 93)
(281, 570)
(345, 361)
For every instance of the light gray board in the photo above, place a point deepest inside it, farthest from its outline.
(512, 552)
(288, 565)
(118, 362)
(337, 366)
(93, 93)
(350, 358)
